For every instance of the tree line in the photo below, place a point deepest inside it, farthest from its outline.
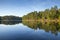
(10, 18)
(50, 14)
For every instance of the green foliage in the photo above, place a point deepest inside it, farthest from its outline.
(53, 13)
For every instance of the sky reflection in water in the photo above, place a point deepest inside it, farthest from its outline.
(23, 32)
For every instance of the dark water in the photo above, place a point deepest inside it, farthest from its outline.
(29, 31)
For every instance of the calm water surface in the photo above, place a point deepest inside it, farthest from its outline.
(24, 32)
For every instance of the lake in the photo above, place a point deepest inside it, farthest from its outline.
(29, 31)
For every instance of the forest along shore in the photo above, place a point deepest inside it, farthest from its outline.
(48, 15)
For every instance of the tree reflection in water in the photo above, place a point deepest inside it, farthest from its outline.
(10, 22)
(53, 27)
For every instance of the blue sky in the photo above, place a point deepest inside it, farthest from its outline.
(23, 7)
